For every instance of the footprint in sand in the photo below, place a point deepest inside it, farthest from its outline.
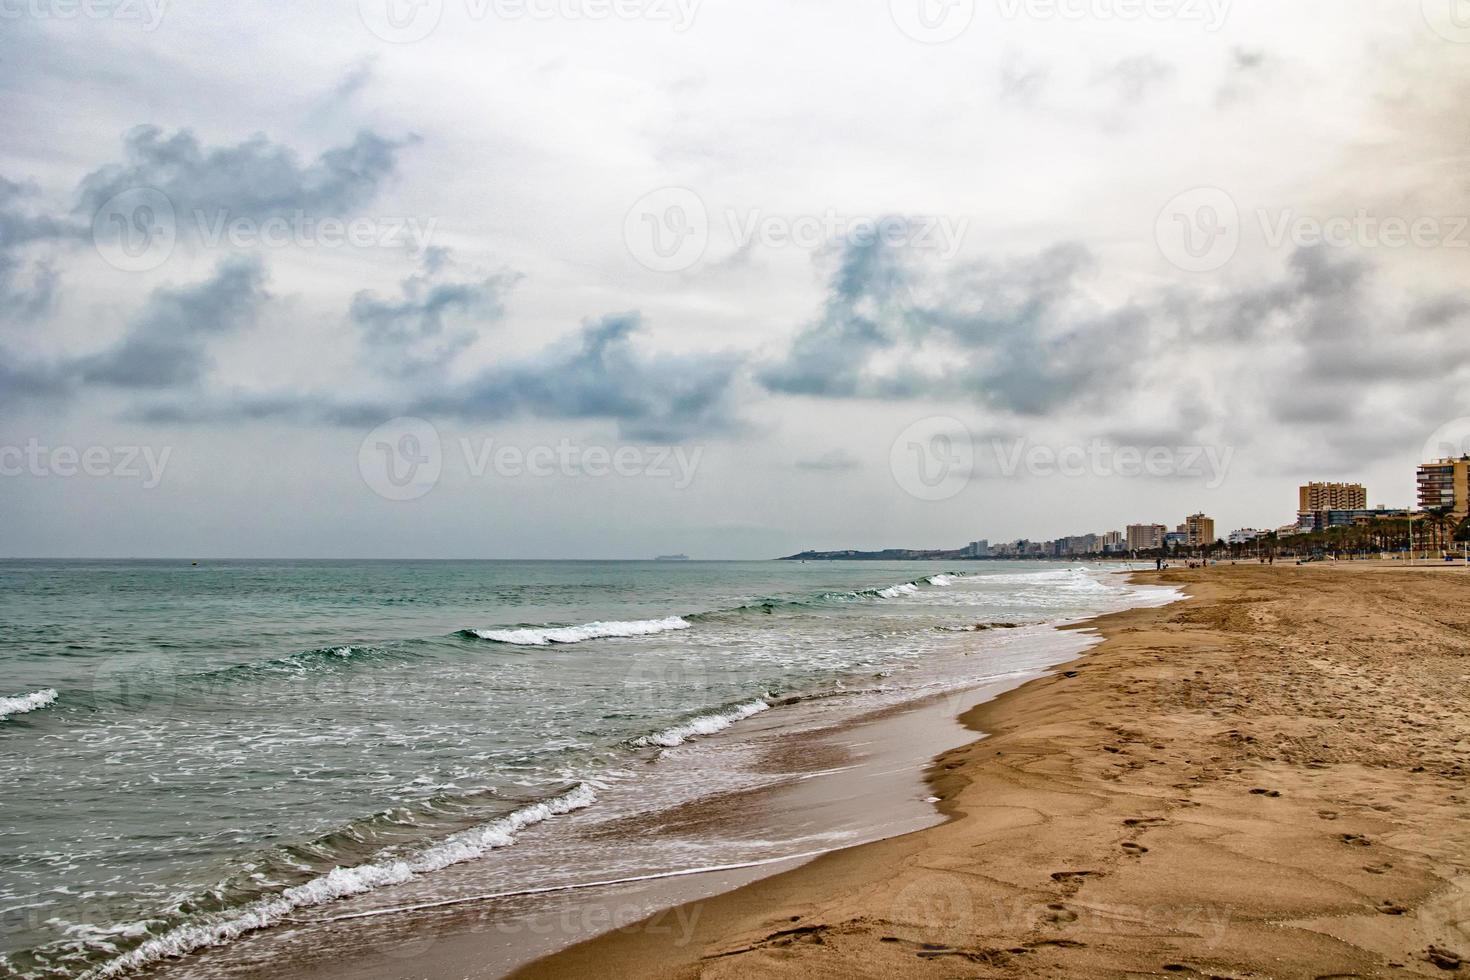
(1071, 875)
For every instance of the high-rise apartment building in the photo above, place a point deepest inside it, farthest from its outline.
(1146, 537)
(1200, 530)
(1331, 496)
(1445, 483)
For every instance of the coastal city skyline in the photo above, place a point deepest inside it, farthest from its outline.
(1443, 505)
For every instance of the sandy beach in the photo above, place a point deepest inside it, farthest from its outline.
(1265, 780)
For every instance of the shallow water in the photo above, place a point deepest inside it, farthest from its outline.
(233, 744)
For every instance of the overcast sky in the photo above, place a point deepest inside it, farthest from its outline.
(611, 278)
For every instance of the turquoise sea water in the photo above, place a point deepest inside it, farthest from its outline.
(191, 753)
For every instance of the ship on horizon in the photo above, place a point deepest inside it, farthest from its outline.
(671, 558)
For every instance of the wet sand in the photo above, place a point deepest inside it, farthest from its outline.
(1267, 780)
(844, 779)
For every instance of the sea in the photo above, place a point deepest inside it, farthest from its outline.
(192, 755)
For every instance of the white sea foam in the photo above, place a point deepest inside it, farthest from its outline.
(715, 721)
(26, 702)
(941, 579)
(343, 882)
(542, 635)
(894, 591)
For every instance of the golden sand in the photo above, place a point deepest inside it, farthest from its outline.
(1266, 780)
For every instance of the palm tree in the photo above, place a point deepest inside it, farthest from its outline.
(1443, 521)
(1462, 533)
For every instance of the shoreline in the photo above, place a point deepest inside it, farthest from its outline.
(1154, 807)
(832, 775)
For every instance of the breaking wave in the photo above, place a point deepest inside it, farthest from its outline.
(543, 635)
(220, 927)
(706, 724)
(26, 702)
(894, 591)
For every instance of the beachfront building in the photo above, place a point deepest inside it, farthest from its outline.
(1244, 535)
(1316, 500)
(1146, 537)
(1445, 483)
(1331, 496)
(1200, 530)
(1110, 542)
(979, 549)
(1079, 544)
(1176, 539)
(1323, 519)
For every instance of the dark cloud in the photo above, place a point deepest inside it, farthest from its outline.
(832, 461)
(22, 380)
(255, 179)
(1023, 336)
(1344, 362)
(20, 221)
(166, 344)
(863, 315)
(244, 406)
(432, 319)
(600, 374)
(23, 300)
(1324, 350)
(27, 289)
(1345, 328)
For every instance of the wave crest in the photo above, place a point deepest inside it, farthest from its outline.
(894, 591)
(343, 882)
(26, 702)
(706, 724)
(541, 636)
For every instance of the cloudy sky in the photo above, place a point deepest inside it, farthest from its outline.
(610, 278)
